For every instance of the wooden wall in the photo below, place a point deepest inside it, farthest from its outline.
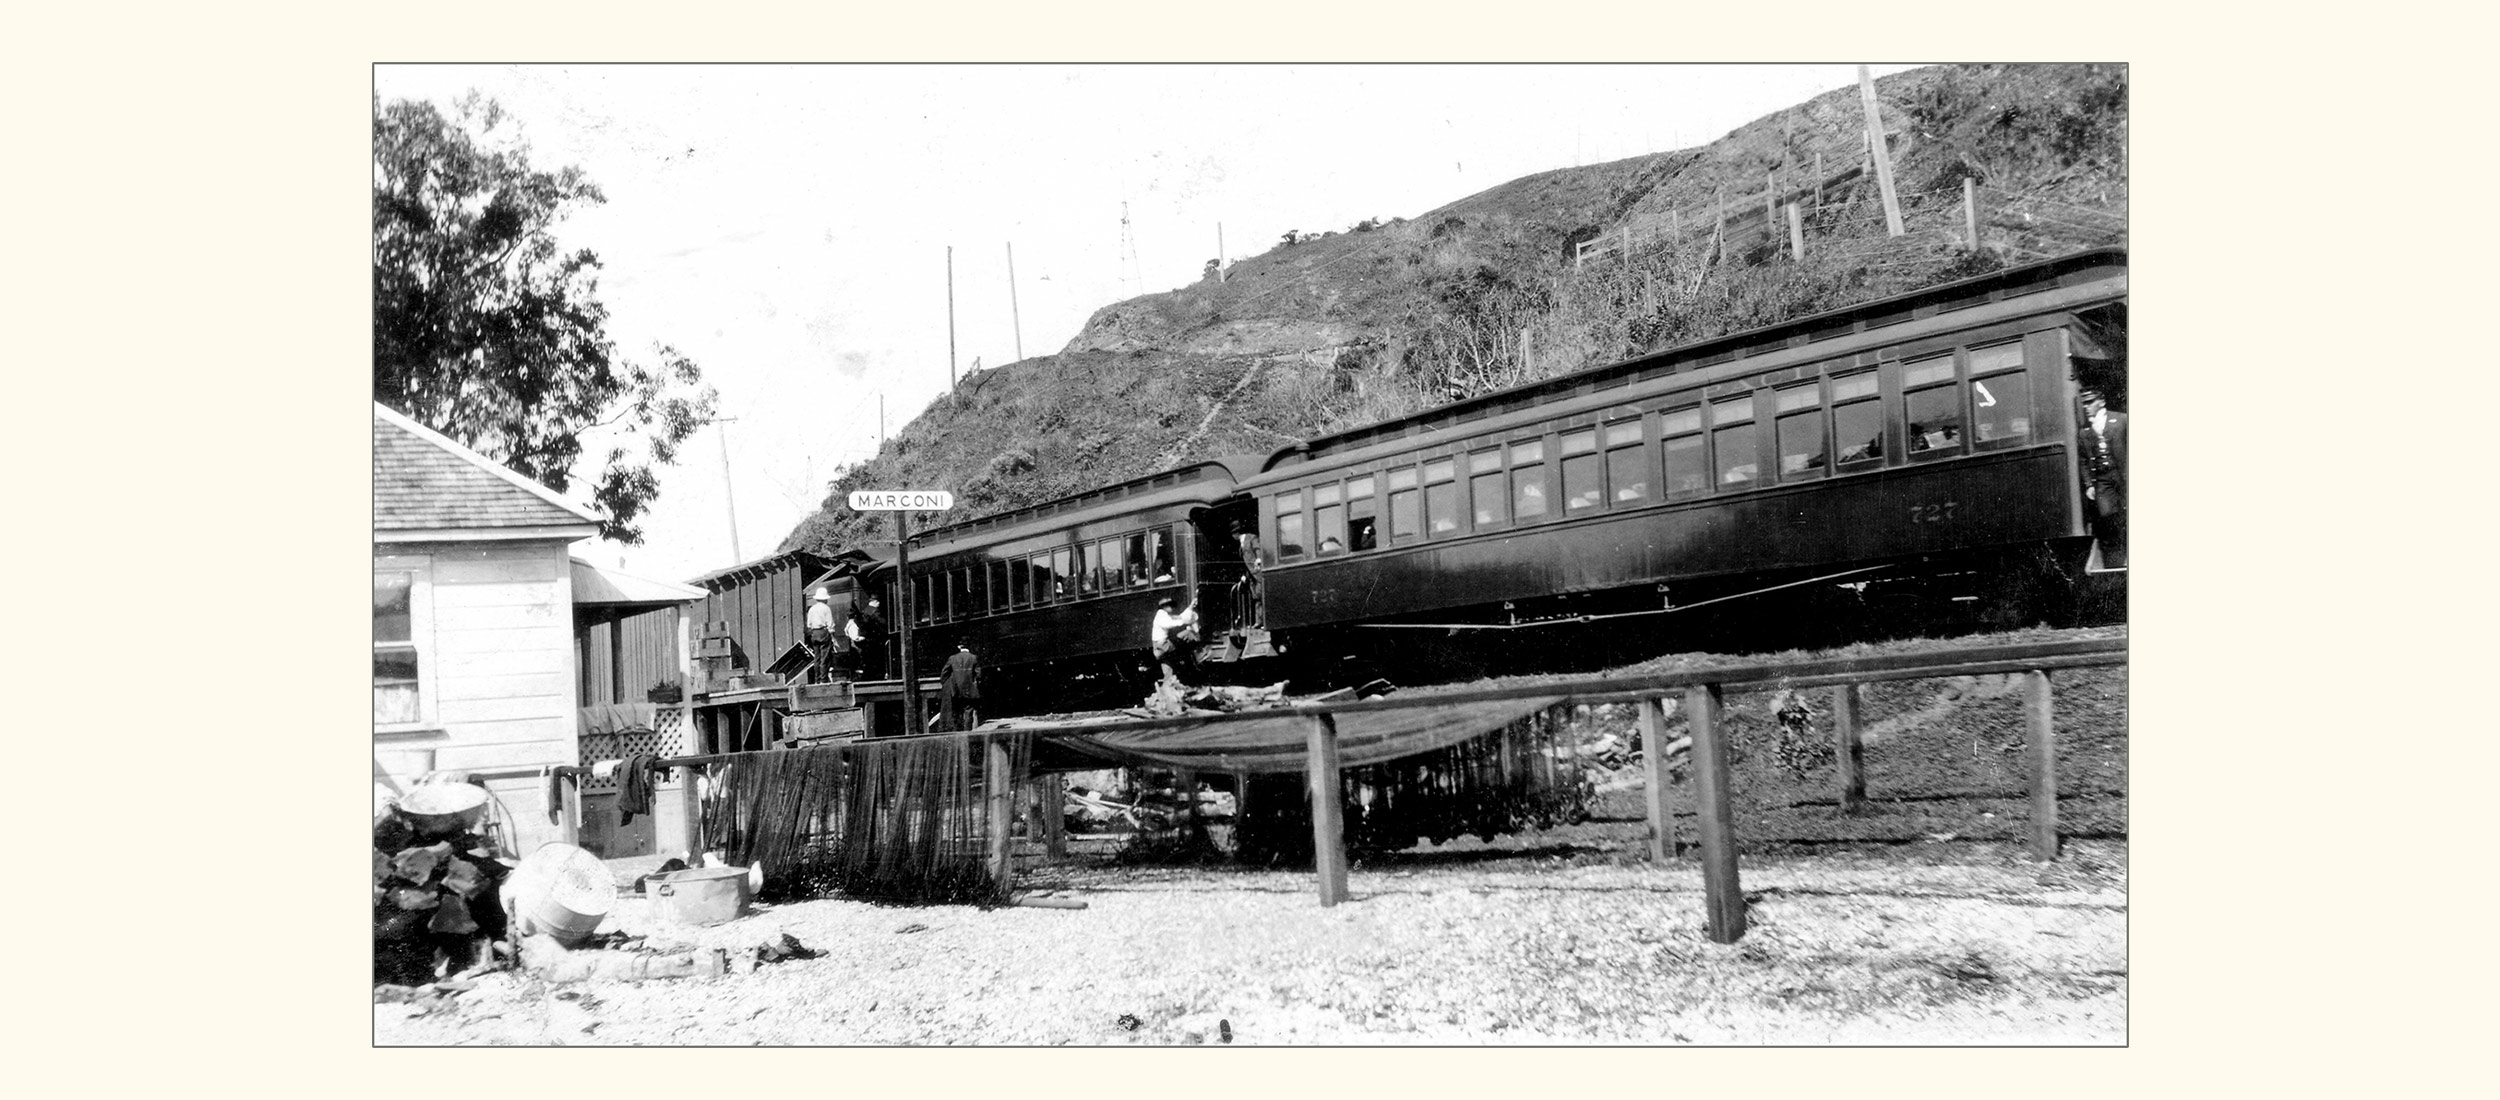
(766, 614)
(501, 654)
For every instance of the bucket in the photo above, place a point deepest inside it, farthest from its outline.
(560, 890)
(703, 895)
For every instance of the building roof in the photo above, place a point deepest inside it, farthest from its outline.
(594, 585)
(425, 482)
(813, 566)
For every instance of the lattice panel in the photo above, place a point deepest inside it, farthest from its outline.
(667, 738)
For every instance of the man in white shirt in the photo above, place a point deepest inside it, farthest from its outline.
(819, 634)
(1175, 641)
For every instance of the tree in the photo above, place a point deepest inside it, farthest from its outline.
(488, 332)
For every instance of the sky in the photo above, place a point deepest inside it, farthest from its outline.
(789, 227)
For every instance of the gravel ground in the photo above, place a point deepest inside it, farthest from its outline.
(1561, 937)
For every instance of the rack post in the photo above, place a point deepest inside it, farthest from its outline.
(2038, 710)
(1002, 812)
(1654, 762)
(1724, 898)
(1327, 816)
(1852, 750)
(690, 801)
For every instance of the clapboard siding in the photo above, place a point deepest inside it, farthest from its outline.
(516, 685)
(506, 662)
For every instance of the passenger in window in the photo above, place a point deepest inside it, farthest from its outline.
(2103, 440)
(1330, 545)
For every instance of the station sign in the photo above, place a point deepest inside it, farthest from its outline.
(901, 500)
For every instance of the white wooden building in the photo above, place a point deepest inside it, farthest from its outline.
(473, 625)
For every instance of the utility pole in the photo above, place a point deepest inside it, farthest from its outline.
(1880, 153)
(1012, 312)
(729, 489)
(950, 331)
(1219, 252)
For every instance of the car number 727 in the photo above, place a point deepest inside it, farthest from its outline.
(1933, 513)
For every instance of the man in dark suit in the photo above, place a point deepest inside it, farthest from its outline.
(959, 689)
(2103, 434)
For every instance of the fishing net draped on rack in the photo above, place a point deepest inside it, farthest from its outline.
(904, 820)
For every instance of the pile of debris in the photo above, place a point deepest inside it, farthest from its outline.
(437, 908)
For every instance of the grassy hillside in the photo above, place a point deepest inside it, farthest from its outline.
(1331, 331)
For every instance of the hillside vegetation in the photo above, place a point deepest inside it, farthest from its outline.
(1333, 330)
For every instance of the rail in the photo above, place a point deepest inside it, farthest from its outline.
(1702, 698)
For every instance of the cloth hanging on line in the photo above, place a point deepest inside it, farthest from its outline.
(634, 796)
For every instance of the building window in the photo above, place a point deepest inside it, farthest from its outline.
(1582, 489)
(1687, 461)
(1627, 471)
(1732, 441)
(1527, 480)
(399, 665)
(1857, 420)
(1800, 430)
(1441, 510)
(1486, 486)
(1934, 405)
(2000, 394)
(1404, 518)
(1289, 524)
(1360, 522)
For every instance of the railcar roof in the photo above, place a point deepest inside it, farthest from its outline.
(1714, 351)
(1095, 503)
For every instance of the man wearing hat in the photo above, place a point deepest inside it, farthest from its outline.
(1175, 641)
(2103, 438)
(866, 629)
(819, 634)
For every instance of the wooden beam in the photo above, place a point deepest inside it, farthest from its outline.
(690, 802)
(1327, 815)
(1879, 153)
(1654, 763)
(1185, 784)
(1002, 813)
(2038, 710)
(1796, 234)
(1052, 801)
(1724, 898)
(1852, 750)
(572, 799)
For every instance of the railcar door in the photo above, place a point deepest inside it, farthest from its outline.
(1226, 587)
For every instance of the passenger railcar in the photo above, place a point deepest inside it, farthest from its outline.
(1920, 445)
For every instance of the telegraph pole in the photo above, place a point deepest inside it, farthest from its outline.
(950, 331)
(1012, 312)
(729, 489)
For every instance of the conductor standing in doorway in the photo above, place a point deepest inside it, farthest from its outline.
(2104, 439)
(959, 689)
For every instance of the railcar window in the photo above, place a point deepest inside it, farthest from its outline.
(1137, 560)
(998, 585)
(1857, 419)
(1360, 506)
(1487, 487)
(1935, 411)
(957, 583)
(2000, 395)
(1581, 486)
(1403, 518)
(1062, 573)
(1800, 431)
(1328, 518)
(1109, 570)
(920, 599)
(1163, 568)
(1441, 496)
(1289, 524)
(1625, 469)
(1527, 479)
(1020, 581)
(1687, 461)
(1732, 440)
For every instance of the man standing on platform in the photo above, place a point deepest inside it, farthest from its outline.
(819, 635)
(867, 632)
(959, 689)
(2104, 447)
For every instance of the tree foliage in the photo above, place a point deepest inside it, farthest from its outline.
(486, 330)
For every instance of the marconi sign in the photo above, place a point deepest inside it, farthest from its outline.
(901, 500)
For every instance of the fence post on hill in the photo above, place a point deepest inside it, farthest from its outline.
(1796, 234)
(1770, 206)
(2039, 714)
(1627, 245)
(1851, 750)
(1970, 210)
(1723, 897)
(1718, 232)
(1327, 813)
(1002, 810)
(1654, 765)
(1877, 152)
(1818, 182)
